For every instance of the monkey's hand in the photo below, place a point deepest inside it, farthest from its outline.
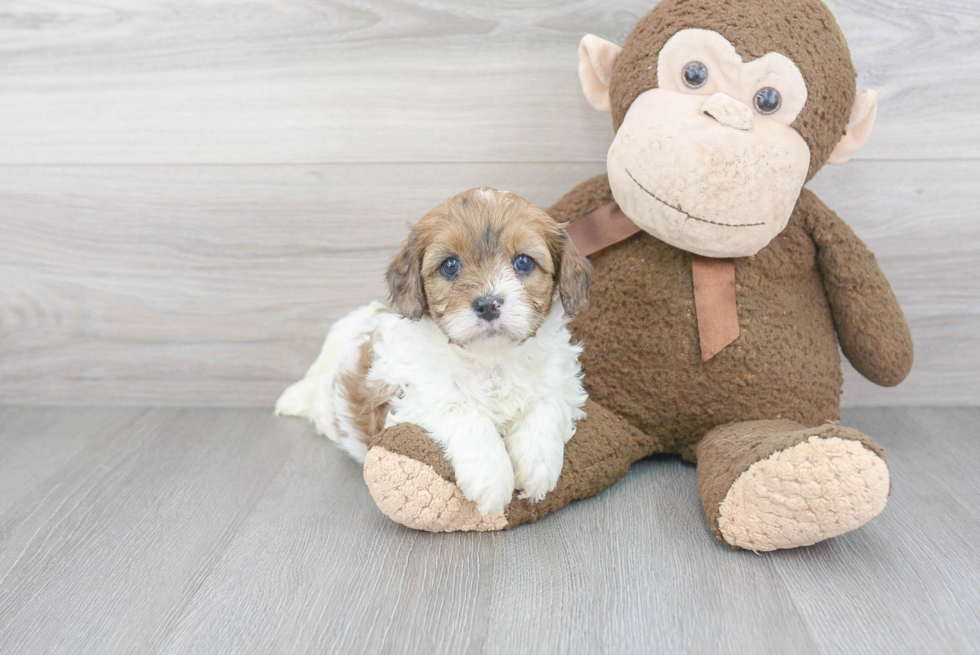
(870, 325)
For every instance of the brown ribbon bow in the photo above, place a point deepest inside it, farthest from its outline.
(714, 279)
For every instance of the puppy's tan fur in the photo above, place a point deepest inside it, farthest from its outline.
(368, 402)
(485, 229)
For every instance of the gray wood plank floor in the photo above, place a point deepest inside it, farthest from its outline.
(203, 530)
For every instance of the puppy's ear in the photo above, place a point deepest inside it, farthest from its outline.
(404, 279)
(574, 276)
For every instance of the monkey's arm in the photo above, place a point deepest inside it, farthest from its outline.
(870, 325)
(582, 200)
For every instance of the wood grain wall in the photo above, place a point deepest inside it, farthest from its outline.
(191, 192)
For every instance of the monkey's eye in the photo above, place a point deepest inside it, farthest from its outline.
(450, 268)
(695, 75)
(523, 264)
(767, 101)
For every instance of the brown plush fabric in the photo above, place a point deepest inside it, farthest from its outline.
(870, 324)
(797, 29)
(650, 391)
(412, 441)
(582, 200)
(729, 450)
(642, 356)
(600, 453)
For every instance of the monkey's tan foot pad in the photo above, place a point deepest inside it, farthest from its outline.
(410, 492)
(815, 490)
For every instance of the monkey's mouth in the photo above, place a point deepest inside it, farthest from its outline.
(680, 211)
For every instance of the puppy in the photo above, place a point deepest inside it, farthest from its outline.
(474, 348)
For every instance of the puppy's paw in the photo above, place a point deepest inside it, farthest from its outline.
(537, 483)
(537, 464)
(486, 479)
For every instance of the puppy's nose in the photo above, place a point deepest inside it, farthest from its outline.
(488, 307)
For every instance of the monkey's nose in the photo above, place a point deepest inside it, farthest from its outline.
(488, 307)
(728, 111)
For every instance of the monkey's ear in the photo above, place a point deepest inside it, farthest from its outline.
(858, 128)
(404, 278)
(596, 58)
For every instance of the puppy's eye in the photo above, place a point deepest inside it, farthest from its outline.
(767, 101)
(450, 268)
(695, 75)
(523, 264)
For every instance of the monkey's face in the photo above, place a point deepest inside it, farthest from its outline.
(723, 110)
(708, 161)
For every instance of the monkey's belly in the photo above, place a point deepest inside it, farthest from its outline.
(642, 356)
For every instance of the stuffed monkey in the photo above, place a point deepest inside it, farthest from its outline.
(722, 287)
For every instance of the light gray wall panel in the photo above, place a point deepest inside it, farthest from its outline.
(216, 284)
(191, 192)
(287, 81)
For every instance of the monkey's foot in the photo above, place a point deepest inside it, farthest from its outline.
(413, 484)
(819, 488)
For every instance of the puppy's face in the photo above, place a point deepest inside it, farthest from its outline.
(486, 265)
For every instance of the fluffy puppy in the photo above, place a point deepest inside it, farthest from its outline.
(474, 348)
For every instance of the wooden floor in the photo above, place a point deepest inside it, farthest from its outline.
(197, 530)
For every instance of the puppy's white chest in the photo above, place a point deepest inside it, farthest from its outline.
(438, 382)
(495, 391)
